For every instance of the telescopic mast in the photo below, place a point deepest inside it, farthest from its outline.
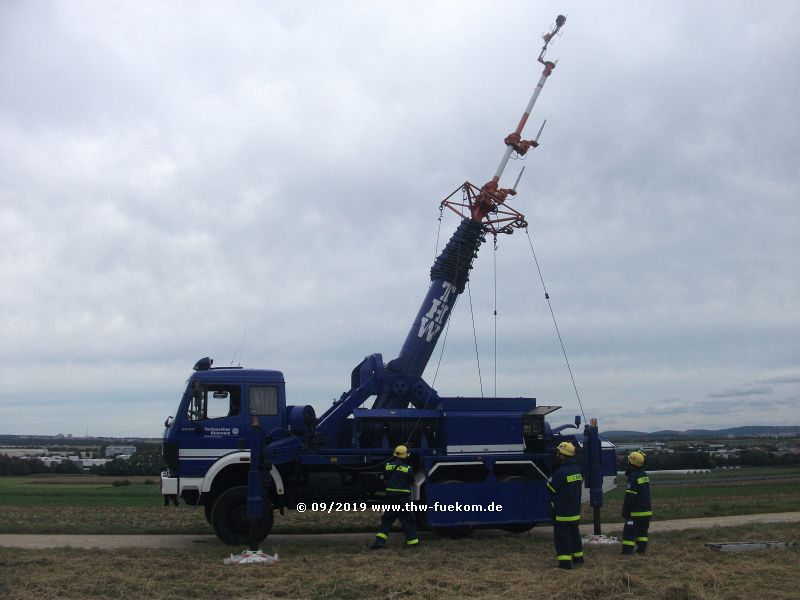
(483, 211)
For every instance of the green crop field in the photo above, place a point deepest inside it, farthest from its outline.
(746, 472)
(78, 491)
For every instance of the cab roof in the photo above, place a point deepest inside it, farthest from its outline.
(204, 370)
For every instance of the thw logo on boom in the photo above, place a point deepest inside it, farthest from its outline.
(431, 323)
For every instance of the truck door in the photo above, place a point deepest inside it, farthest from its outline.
(213, 425)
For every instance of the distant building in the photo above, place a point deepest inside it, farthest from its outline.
(88, 463)
(725, 451)
(20, 452)
(645, 447)
(116, 450)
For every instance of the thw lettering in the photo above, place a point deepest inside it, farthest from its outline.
(431, 324)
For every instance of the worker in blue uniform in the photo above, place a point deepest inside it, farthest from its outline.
(565, 506)
(636, 508)
(399, 477)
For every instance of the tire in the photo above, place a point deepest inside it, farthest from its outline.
(229, 518)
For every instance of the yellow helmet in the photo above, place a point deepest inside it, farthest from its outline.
(566, 449)
(636, 458)
(401, 452)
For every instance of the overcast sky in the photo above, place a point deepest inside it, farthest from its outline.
(259, 183)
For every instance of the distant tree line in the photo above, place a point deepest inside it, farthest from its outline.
(12, 465)
(696, 459)
(147, 461)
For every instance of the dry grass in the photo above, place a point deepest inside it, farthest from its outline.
(164, 520)
(679, 567)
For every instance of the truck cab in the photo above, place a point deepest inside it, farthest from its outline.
(212, 428)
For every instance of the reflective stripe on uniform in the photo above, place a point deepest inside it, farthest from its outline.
(631, 492)
(575, 477)
(628, 543)
(644, 513)
(569, 518)
(398, 490)
(412, 542)
(641, 539)
(401, 468)
(642, 480)
(565, 557)
(551, 488)
(577, 555)
(382, 536)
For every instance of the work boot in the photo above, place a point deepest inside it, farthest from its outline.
(578, 562)
(565, 564)
(627, 547)
(378, 544)
(641, 547)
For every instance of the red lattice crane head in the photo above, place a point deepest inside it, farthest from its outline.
(487, 205)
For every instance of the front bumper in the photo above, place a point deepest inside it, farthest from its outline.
(169, 485)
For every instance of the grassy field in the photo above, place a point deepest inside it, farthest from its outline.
(747, 472)
(677, 567)
(92, 504)
(733, 492)
(87, 491)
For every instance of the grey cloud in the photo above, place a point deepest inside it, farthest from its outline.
(781, 379)
(169, 174)
(745, 391)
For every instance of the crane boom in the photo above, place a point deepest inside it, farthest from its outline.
(483, 211)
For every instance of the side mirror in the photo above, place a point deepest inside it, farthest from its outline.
(169, 421)
(577, 421)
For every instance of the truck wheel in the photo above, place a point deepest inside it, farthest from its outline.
(229, 517)
(208, 506)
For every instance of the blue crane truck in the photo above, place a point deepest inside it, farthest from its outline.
(238, 449)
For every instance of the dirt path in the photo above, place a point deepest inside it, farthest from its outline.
(106, 542)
